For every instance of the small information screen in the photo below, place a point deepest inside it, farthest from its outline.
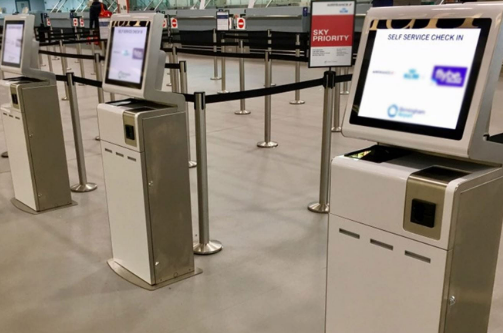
(222, 21)
(127, 56)
(13, 42)
(419, 80)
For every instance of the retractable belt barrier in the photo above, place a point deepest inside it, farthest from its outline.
(68, 55)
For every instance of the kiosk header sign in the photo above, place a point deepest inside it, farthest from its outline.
(332, 28)
(82, 25)
(75, 22)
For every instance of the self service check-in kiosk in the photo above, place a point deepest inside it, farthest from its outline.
(415, 222)
(144, 148)
(32, 123)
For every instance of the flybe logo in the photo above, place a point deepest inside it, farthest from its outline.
(449, 76)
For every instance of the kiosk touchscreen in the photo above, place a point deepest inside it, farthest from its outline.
(415, 221)
(145, 154)
(33, 130)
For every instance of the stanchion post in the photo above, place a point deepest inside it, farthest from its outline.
(93, 52)
(336, 127)
(242, 102)
(205, 245)
(345, 84)
(54, 46)
(267, 143)
(112, 97)
(297, 100)
(83, 185)
(184, 90)
(81, 61)
(269, 49)
(175, 82)
(323, 205)
(97, 70)
(49, 60)
(215, 58)
(63, 50)
(224, 81)
(63, 69)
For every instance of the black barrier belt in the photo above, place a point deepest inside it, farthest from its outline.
(218, 98)
(68, 55)
(88, 82)
(172, 66)
(83, 41)
(78, 79)
(218, 53)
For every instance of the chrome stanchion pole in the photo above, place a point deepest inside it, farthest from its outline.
(184, 90)
(63, 69)
(269, 49)
(97, 70)
(297, 100)
(83, 185)
(323, 205)
(267, 143)
(215, 58)
(93, 52)
(171, 72)
(81, 61)
(76, 32)
(242, 102)
(205, 245)
(224, 81)
(54, 46)
(49, 60)
(175, 82)
(112, 97)
(168, 73)
(68, 68)
(345, 84)
(336, 127)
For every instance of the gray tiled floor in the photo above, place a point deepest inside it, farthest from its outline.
(270, 276)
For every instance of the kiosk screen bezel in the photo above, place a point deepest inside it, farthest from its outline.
(128, 24)
(12, 64)
(484, 24)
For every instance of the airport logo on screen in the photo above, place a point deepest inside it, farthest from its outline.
(403, 112)
(449, 76)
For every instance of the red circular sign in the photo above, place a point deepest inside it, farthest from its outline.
(241, 23)
(174, 23)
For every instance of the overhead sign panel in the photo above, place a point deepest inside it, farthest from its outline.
(332, 29)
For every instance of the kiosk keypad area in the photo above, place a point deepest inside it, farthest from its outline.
(416, 220)
(33, 130)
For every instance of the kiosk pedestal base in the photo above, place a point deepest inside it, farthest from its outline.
(21, 206)
(131, 278)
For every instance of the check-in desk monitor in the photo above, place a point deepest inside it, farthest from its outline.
(428, 83)
(145, 154)
(126, 62)
(13, 35)
(415, 220)
(33, 130)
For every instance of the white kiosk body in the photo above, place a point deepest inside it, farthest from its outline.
(33, 130)
(145, 154)
(415, 221)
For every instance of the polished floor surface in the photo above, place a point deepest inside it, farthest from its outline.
(270, 277)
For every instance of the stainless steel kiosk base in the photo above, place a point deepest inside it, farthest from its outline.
(131, 278)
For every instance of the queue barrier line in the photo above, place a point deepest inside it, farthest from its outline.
(233, 96)
(172, 66)
(238, 55)
(261, 46)
(68, 55)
